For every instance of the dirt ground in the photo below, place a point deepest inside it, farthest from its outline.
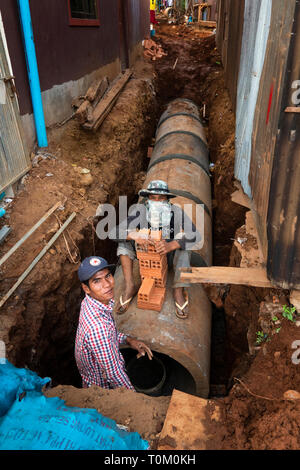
(39, 322)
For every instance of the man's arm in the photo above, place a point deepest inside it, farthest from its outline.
(141, 347)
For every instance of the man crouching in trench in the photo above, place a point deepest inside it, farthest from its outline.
(97, 352)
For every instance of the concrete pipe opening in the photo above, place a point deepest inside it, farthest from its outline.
(158, 377)
(185, 341)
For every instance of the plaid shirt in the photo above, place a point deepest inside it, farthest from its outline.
(97, 351)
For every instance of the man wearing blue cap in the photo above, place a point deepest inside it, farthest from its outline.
(97, 352)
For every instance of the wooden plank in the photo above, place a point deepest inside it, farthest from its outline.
(185, 423)
(104, 107)
(84, 112)
(255, 277)
(208, 24)
(292, 109)
(97, 90)
(239, 197)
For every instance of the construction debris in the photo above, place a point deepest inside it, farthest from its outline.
(100, 99)
(152, 50)
(91, 99)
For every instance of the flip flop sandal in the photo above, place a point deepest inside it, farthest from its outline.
(124, 305)
(180, 308)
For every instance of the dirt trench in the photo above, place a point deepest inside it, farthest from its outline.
(38, 323)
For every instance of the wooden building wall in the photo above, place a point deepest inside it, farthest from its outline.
(230, 21)
(283, 217)
(65, 52)
(268, 110)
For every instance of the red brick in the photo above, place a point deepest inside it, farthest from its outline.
(154, 273)
(149, 256)
(160, 282)
(152, 249)
(146, 290)
(159, 264)
(156, 300)
(145, 264)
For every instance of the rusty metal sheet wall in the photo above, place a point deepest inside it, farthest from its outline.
(213, 4)
(267, 112)
(139, 21)
(267, 140)
(283, 219)
(230, 22)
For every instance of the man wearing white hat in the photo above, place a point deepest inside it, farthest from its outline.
(160, 214)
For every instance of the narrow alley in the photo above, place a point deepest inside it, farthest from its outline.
(250, 404)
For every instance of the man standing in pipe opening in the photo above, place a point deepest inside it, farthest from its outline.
(97, 352)
(160, 214)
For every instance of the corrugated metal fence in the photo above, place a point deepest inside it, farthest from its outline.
(255, 55)
(14, 160)
(257, 17)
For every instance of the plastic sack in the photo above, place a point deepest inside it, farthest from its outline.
(40, 423)
(14, 382)
(30, 421)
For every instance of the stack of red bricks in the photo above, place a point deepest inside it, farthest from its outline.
(153, 271)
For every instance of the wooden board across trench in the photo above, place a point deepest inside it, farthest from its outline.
(184, 427)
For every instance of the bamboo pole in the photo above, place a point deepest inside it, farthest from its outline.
(30, 232)
(37, 259)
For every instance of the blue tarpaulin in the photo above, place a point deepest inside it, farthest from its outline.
(30, 421)
(14, 382)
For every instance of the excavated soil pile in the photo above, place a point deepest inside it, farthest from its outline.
(261, 411)
(138, 412)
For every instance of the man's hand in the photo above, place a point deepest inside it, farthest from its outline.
(140, 347)
(163, 247)
(141, 238)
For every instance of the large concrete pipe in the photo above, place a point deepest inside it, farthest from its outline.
(180, 158)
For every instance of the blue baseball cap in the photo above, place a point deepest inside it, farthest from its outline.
(91, 266)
